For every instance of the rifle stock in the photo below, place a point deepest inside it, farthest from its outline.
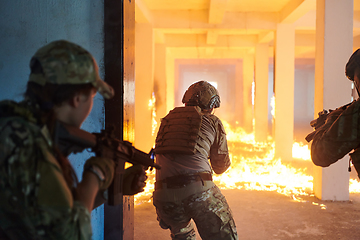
(70, 139)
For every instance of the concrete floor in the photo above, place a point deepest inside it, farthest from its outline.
(263, 215)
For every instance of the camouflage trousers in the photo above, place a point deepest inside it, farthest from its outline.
(204, 203)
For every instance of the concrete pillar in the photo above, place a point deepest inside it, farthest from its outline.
(261, 92)
(170, 81)
(144, 79)
(284, 90)
(239, 98)
(334, 38)
(248, 71)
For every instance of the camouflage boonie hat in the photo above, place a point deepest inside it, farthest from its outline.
(64, 62)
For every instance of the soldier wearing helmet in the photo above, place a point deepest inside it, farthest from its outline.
(337, 135)
(188, 136)
(202, 94)
(41, 197)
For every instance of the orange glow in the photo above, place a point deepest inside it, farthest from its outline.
(354, 186)
(272, 104)
(152, 108)
(301, 151)
(255, 168)
(128, 133)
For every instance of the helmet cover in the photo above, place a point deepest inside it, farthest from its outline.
(202, 94)
(352, 65)
(64, 62)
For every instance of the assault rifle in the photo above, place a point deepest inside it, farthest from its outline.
(320, 121)
(70, 139)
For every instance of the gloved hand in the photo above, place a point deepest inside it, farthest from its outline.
(134, 180)
(333, 115)
(104, 168)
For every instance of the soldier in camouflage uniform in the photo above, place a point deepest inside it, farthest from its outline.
(40, 196)
(339, 133)
(184, 189)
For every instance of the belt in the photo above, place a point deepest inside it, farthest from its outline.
(180, 181)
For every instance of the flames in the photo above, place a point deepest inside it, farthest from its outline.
(152, 108)
(254, 167)
(301, 151)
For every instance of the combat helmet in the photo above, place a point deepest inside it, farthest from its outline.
(352, 65)
(63, 62)
(202, 94)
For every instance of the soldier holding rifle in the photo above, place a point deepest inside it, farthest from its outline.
(191, 144)
(40, 196)
(337, 132)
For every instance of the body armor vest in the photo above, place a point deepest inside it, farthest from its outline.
(179, 132)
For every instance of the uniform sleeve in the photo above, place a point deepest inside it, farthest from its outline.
(219, 154)
(336, 138)
(35, 202)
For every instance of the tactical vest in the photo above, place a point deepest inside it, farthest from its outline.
(179, 132)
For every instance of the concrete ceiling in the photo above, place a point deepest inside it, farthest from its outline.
(227, 28)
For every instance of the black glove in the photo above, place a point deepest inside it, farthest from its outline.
(134, 180)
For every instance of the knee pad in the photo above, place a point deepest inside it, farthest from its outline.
(184, 236)
(162, 224)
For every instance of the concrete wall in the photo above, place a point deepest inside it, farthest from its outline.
(27, 25)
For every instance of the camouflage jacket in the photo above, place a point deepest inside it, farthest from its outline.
(219, 154)
(35, 201)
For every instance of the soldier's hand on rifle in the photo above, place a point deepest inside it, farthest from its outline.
(103, 168)
(324, 121)
(333, 115)
(134, 180)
